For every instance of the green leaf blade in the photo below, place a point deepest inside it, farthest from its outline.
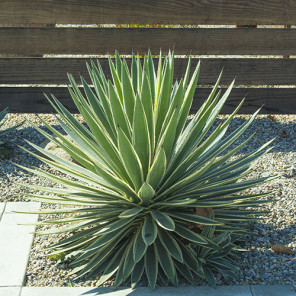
(149, 230)
(163, 220)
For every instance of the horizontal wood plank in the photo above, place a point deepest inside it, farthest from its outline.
(277, 12)
(243, 41)
(275, 100)
(247, 71)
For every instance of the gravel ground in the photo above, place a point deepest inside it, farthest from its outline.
(259, 265)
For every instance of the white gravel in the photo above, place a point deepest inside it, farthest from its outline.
(257, 266)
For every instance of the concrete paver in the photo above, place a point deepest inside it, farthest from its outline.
(15, 243)
(65, 291)
(10, 291)
(273, 290)
(2, 207)
(12, 207)
(257, 290)
(164, 291)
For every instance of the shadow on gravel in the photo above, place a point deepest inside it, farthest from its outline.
(266, 266)
(267, 235)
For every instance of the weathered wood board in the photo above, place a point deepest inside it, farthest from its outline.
(100, 41)
(215, 12)
(275, 100)
(246, 71)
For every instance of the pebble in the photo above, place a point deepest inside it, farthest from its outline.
(258, 265)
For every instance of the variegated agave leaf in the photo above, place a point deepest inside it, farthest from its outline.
(144, 176)
(220, 258)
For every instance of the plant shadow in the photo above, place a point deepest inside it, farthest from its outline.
(267, 266)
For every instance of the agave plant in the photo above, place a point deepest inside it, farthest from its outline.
(148, 190)
(7, 130)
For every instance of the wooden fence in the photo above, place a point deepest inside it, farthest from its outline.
(31, 45)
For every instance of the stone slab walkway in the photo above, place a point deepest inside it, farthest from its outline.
(16, 241)
(15, 244)
(276, 290)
